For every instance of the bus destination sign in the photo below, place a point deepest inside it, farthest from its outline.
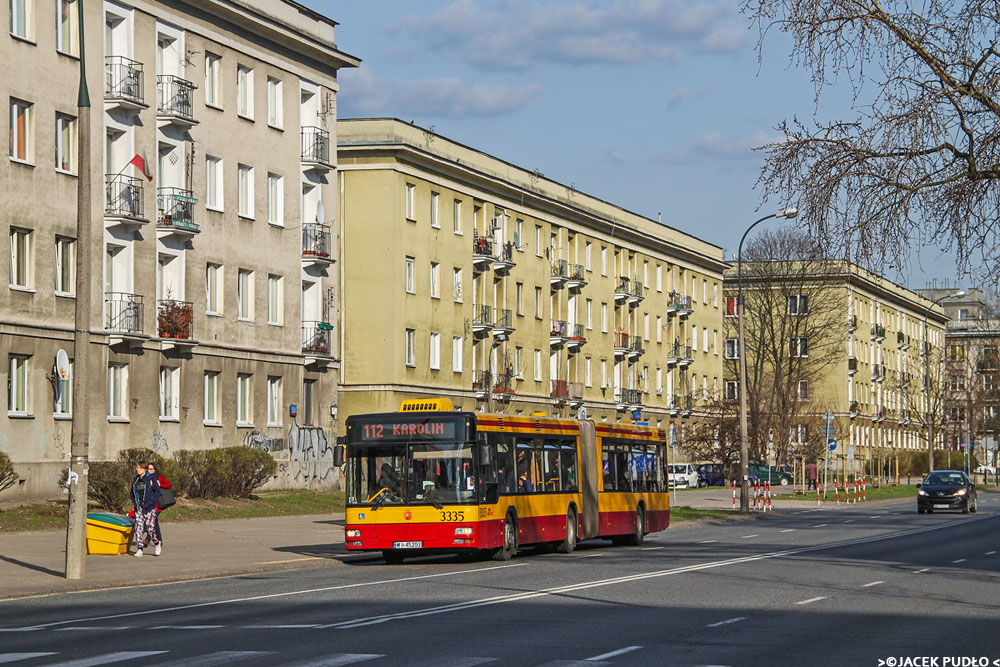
(393, 430)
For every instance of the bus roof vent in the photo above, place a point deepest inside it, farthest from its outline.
(427, 405)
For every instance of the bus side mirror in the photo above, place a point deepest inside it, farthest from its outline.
(338, 455)
(492, 495)
(485, 454)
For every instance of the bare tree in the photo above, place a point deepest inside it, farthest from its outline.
(923, 394)
(920, 159)
(715, 437)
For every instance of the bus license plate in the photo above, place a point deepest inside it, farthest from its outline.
(407, 545)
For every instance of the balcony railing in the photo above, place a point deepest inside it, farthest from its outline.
(123, 312)
(123, 197)
(878, 332)
(175, 319)
(482, 246)
(560, 269)
(631, 396)
(852, 323)
(482, 317)
(623, 289)
(123, 79)
(852, 365)
(504, 319)
(637, 290)
(635, 346)
(621, 340)
(315, 145)
(575, 390)
(577, 273)
(559, 329)
(878, 373)
(316, 240)
(505, 256)
(316, 337)
(578, 332)
(503, 384)
(175, 208)
(175, 97)
(560, 389)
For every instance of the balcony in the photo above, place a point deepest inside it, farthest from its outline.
(315, 147)
(877, 333)
(905, 379)
(674, 404)
(683, 354)
(175, 212)
(577, 278)
(503, 386)
(904, 416)
(558, 333)
(673, 303)
(123, 201)
(855, 409)
(629, 399)
(316, 340)
(486, 383)
(687, 405)
(576, 391)
(504, 259)
(482, 252)
(674, 353)
(482, 382)
(316, 244)
(623, 291)
(878, 373)
(174, 101)
(635, 349)
(577, 337)
(175, 323)
(636, 294)
(123, 84)
(925, 349)
(482, 320)
(559, 390)
(621, 343)
(123, 317)
(852, 324)
(560, 273)
(684, 304)
(880, 415)
(503, 326)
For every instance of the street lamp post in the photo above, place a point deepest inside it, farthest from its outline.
(927, 377)
(744, 444)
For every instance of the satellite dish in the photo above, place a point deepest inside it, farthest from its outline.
(320, 212)
(62, 365)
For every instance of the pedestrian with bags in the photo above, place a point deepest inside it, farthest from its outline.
(145, 492)
(166, 500)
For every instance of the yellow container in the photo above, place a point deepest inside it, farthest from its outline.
(108, 534)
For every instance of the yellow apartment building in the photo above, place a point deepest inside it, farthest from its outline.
(471, 278)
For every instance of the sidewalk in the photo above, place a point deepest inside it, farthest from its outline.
(721, 498)
(33, 563)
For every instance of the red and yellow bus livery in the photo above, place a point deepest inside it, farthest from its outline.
(428, 478)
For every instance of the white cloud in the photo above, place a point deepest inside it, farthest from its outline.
(716, 146)
(517, 34)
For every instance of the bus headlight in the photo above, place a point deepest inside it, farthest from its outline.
(353, 532)
(463, 531)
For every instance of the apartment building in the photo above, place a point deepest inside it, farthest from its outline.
(214, 279)
(883, 382)
(471, 278)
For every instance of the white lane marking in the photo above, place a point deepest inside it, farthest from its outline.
(707, 541)
(849, 521)
(270, 596)
(14, 657)
(746, 537)
(819, 525)
(612, 654)
(990, 553)
(337, 659)
(85, 628)
(592, 555)
(926, 569)
(290, 560)
(120, 656)
(873, 583)
(875, 516)
(545, 592)
(289, 626)
(212, 659)
(651, 548)
(960, 560)
(811, 600)
(736, 619)
(186, 627)
(787, 530)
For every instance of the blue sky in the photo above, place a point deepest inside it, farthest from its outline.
(654, 105)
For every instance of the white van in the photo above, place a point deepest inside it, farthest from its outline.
(682, 475)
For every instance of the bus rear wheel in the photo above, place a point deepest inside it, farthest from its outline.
(637, 538)
(569, 544)
(506, 552)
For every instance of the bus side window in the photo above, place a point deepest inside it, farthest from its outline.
(622, 477)
(537, 468)
(525, 483)
(505, 468)
(608, 473)
(568, 462)
(551, 470)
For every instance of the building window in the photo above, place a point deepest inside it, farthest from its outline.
(538, 366)
(802, 390)
(731, 306)
(20, 258)
(518, 359)
(212, 82)
(538, 240)
(588, 314)
(659, 329)
(245, 190)
(732, 348)
(17, 385)
(170, 384)
(20, 18)
(519, 298)
(435, 290)
(956, 415)
(456, 285)
(435, 351)
(408, 275)
(20, 130)
(538, 302)
(645, 328)
(604, 318)
(211, 397)
(409, 341)
(957, 383)
(117, 391)
(798, 346)
(273, 401)
(243, 395)
(604, 373)
(798, 304)
(67, 32)
(434, 211)
(457, 216)
(65, 265)
(274, 102)
(244, 294)
(213, 183)
(604, 261)
(715, 341)
(62, 405)
(519, 234)
(732, 390)
(244, 92)
(274, 294)
(659, 278)
(66, 143)
(715, 295)
(276, 199)
(456, 353)
(410, 192)
(213, 289)
(586, 257)
(308, 411)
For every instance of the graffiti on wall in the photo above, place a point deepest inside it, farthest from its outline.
(257, 440)
(158, 442)
(312, 453)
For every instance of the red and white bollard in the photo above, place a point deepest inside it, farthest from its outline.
(734, 494)
(817, 494)
(836, 491)
(864, 488)
(770, 504)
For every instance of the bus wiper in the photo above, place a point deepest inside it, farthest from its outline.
(379, 498)
(433, 501)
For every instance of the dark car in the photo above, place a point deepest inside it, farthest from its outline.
(763, 473)
(946, 490)
(711, 474)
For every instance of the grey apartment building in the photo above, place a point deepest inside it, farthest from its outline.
(213, 269)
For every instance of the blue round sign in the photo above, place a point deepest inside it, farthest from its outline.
(832, 444)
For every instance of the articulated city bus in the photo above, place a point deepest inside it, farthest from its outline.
(429, 478)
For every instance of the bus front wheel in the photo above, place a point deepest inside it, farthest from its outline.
(506, 552)
(569, 544)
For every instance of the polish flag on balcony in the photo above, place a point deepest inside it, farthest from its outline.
(139, 161)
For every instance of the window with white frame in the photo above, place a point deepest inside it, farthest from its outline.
(170, 385)
(731, 306)
(275, 199)
(245, 190)
(65, 143)
(274, 299)
(704, 340)
(715, 341)
(435, 274)
(435, 351)
(538, 366)
(408, 276)
(732, 390)
(409, 347)
(213, 83)
(519, 298)
(538, 303)
(519, 362)
(117, 391)
(456, 213)
(715, 295)
(456, 285)
(604, 261)
(434, 211)
(732, 348)
(586, 256)
(457, 344)
(20, 130)
(67, 30)
(65, 273)
(273, 400)
(410, 194)
(20, 258)
(798, 346)
(798, 304)
(519, 234)
(659, 329)
(244, 416)
(274, 102)
(244, 92)
(604, 318)
(213, 289)
(704, 292)
(588, 314)
(538, 240)
(244, 294)
(659, 381)
(211, 412)
(604, 373)
(17, 385)
(645, 327)
(659, 278)
(21, 18)
(62, 404)
(213, 183)
(802, 390)
(586, 371)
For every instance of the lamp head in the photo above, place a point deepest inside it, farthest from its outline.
(790, 212)
(957, 294)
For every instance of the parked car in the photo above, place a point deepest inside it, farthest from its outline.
(711, 474)
(946, 490)
(985, 470)
(682, 476)
(776, 476)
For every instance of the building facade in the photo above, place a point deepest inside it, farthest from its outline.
(474, 279)
(213, 265)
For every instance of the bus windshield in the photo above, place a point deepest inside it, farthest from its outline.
(421, 473)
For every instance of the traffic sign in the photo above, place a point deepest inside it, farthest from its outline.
(673, 434)
(828, 431)
(831, 444)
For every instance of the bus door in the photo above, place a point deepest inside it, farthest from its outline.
(590, 475)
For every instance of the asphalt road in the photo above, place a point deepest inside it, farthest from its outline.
(847, 586)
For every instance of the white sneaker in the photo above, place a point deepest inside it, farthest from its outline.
(156, 550)
(138, 554)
